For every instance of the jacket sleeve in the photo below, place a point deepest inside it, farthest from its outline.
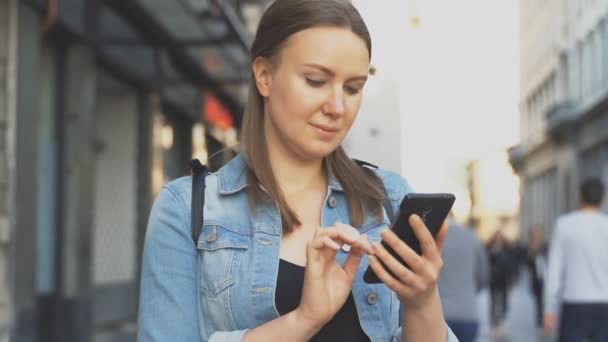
(168, 307)
(451, 337)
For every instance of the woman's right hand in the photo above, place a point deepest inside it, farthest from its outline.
(327, 284)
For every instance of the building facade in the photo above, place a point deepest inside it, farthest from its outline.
(101, 103)
(564, 105)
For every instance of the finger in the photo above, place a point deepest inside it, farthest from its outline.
(440, 239)
(401, 273)
(427, 242)
(340, 233)
(361, 246)
(322, 242)
(321, 249)
(321, 233)
(349, 234)
(404, 251)
(351, 265)
(388, 279)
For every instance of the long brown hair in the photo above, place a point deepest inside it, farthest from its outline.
(281, 20)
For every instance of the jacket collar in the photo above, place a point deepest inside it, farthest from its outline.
(233, 177)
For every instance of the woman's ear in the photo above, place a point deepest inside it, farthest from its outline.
(262, 73)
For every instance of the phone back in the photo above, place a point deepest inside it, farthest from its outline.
(433, 209)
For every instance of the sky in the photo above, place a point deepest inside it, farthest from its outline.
(458, 78)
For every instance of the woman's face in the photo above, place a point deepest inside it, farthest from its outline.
(313, 91)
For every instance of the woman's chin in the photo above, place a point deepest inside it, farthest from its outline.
(319, 151)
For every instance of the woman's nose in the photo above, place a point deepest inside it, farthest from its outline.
(335, 103)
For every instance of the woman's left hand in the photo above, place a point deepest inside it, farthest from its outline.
(415, 287)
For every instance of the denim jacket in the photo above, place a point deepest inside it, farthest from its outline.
(226, 285)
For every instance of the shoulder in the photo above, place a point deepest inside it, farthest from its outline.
(395, 185)
(566, 223)
(565, 220)
(603, 217)
(225, 208)
(180, 190)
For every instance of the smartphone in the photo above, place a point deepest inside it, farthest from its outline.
(433, 209)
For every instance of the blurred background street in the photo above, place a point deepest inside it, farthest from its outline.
(503, 103)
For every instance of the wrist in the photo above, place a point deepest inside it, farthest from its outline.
(422, 302)
(425, 320)
(426, 310)
(307, 326)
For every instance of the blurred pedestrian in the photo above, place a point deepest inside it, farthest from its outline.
(465, 272)
(536, 263)
(272, 262)
(500, 260)
(577, 277)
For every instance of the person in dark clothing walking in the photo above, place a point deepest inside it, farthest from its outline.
(499, 280)
(536, 261)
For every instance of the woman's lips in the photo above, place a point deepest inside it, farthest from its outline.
(326, 132)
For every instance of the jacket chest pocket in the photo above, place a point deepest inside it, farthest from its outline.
(220, 253)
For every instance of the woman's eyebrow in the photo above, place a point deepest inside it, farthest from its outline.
(330, 72)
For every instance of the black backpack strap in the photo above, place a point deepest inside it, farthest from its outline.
(199, 173)
(387, 202)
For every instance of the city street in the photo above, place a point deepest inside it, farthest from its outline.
(519, 325)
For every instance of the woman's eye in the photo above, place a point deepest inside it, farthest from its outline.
(352, 90)
(314, 83)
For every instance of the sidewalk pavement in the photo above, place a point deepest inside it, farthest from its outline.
(520, 322)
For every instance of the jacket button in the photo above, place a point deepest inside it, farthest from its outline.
(213, 235)
(372, 298)
(332, 202)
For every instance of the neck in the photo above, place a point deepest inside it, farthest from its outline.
(590, 208)
(293, 174)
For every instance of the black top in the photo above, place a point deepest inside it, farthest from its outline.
(344, 326)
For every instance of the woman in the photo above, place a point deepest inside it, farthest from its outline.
(272, 262)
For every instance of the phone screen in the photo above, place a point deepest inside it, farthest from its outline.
(433, 209)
